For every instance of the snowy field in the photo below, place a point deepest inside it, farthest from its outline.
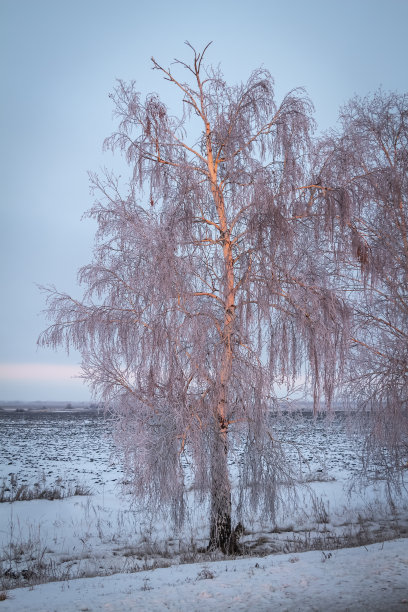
(84, 537)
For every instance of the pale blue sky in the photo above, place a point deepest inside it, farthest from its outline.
(59, 60)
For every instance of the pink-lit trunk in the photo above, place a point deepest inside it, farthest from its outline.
(220, 528)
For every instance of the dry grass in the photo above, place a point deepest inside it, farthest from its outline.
(12, 490)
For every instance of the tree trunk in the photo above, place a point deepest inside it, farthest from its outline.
(220, 526)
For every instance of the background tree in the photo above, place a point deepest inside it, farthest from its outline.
(365, 163)
(206, 290)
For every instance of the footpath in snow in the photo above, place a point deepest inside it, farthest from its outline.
(372, 578)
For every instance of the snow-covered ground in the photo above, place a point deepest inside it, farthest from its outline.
(366, 579)
(81, 540)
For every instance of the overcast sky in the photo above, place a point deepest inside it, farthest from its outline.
(59, 61)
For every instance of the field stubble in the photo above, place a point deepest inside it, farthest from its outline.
(63, 515)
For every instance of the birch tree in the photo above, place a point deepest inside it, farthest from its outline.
(366, 161)
(206, 290)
